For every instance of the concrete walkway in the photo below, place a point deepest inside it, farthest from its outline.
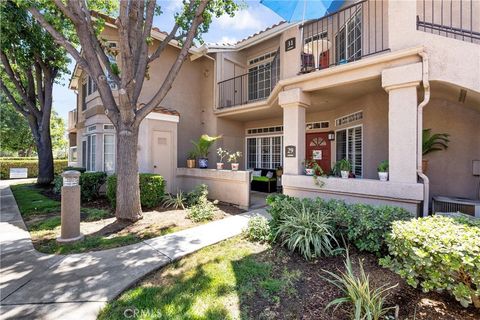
(40, 286)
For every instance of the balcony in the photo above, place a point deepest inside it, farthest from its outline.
(453, 19)
(256, 85)
(350, 34)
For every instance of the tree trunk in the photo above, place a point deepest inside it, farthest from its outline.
(45, 158)
(128, 205)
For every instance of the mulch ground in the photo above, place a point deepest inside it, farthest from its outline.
(313, 292)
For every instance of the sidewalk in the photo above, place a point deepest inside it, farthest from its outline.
(40, 286)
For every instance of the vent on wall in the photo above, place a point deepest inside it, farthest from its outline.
(349, 118)
(265, 130)
(453, 205)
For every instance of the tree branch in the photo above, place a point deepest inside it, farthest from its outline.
(59, 38)
(16, 82)
(164, 43)
(14, 102)
(142, 61)
(167, 83)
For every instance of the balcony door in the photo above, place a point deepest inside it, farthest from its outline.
(348, 40)
(259, 78)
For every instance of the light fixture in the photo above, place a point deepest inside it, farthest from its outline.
(331, 136)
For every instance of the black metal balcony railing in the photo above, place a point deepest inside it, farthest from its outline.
(253, 86)
(453, 19)
(344, 36)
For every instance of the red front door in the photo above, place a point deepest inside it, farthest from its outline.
(318, 149)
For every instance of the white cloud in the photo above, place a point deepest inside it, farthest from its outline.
(243, 20)
(174, 5)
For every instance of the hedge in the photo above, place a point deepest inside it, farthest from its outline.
(152, 189)
(18, 158)
(438, 253)
(31, 165)
(90, 183)
(363, 225)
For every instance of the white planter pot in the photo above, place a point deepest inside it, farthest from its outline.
(309, 172)
(235, 166)
(383, 176)
(219, 165)
(345, 174)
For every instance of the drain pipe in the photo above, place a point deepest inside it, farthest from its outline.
(426, 99)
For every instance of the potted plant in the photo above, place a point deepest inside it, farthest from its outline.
(432, 142)
(202, 147)
(191, 159)
(233, 159)
(221, 155)
(383, 170)
(343, 167)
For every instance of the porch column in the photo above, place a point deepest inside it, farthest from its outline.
(294, 103)
(401, 84)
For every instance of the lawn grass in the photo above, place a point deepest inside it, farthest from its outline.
(209, 284)
(31, 202)
(45, 241)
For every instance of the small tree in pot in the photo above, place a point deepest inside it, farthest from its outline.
(221, 153)
(433, 142)
(233, 159)
(383, 170)
(202, 147)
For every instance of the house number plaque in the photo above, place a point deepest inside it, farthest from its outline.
(290, 151)
(290, 44)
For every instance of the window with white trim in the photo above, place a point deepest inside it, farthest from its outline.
(349, 144)
(89, 152)
(264, 152)
(72, 155)
(108, 152)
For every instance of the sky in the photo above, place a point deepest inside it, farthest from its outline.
(253, 18)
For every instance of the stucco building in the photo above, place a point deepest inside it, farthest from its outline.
(360, 84)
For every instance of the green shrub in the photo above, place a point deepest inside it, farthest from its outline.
(152, 189)
(366, 226)
(310, 231)
(193, 197)
(18, 158)
(200, 208)
(90, 183)
(439, 253)
(31, 165)
(176, 201)
(366, 302)
(257, 229)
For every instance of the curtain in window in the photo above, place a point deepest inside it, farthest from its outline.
(109, 152)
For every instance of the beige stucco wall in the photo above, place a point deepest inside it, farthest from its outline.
(450, 171)
(223, 185)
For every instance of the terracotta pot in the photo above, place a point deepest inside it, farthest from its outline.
(190, 163)
(424, 165)
(219, 165)
(235, 166)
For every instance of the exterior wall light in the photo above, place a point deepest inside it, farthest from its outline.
(331, 136)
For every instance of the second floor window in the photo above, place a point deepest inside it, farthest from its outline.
(92, 86)
(83, 95)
